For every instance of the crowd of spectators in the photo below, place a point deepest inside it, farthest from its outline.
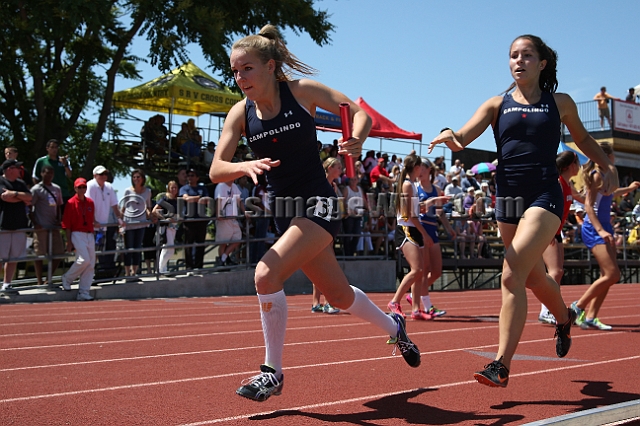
(140, 219)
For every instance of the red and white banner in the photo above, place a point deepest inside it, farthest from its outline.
(626, 117)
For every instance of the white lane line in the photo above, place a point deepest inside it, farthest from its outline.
(350, 339)
(218, 309)
(209, 351)
(219, 376)
(147, 326)
(383, 395)
(182, 336)
(135, 318)
(146, 339)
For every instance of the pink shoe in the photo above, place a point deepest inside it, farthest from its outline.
(396, 309)
(420, 316)
(409, 299)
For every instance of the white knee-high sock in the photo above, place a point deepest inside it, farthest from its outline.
(426, 301)
(364, 308)
(273, 311)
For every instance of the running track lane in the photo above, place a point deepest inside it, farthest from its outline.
(178, 361)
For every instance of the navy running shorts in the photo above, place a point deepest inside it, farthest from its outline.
(513, 201)
(325, 213)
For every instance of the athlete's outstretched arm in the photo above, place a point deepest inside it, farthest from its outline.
(481, 119)
(621, 191)
(313, 94)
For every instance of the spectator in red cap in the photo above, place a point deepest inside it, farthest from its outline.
(78, 221)
(379, 173)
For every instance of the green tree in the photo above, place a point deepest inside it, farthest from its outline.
(61, 57)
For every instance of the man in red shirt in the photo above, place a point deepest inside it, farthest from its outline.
(379, 173)
(78, 221)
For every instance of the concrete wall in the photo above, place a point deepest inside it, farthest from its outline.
(369, 276)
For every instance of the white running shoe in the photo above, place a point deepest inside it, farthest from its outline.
(8, 289)
(547, 318)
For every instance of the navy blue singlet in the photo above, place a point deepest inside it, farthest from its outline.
(527, 139)
(291, 138)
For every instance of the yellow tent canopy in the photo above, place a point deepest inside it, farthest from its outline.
(186, 90)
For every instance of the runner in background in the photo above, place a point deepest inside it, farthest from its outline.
(597, 235)
(568, 166)
(430, 197)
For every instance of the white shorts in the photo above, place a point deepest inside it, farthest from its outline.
(228, 230)
(13, 244)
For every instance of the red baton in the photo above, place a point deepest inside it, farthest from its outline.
(345, 118)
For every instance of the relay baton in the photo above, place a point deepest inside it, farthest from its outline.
(345, 118)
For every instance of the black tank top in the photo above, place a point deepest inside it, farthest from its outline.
(527, 139)
(291, 138)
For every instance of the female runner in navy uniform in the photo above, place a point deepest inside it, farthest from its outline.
(277, 118)
(526, 127)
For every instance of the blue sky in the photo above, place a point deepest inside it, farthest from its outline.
(426, 65)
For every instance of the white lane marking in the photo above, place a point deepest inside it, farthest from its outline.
(146, 339)
(111, 318)
(166, 382)
(349, 339)
(382, 395)
(191, 304)
(441, 351)
(193, 379)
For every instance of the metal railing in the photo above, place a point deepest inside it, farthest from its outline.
(590, 116)
(244, 254)
(177, 267)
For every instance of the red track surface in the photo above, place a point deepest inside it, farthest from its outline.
(179, 361)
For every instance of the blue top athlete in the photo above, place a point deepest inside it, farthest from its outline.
(597, 234)
(277, 118)
(526, 124)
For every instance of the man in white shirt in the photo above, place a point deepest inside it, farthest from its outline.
(453, 188)
(105, 200)
(457, 168)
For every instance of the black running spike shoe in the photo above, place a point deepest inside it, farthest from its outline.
(494, 375)
(261, 387)
(563, 335)
(409, 350)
